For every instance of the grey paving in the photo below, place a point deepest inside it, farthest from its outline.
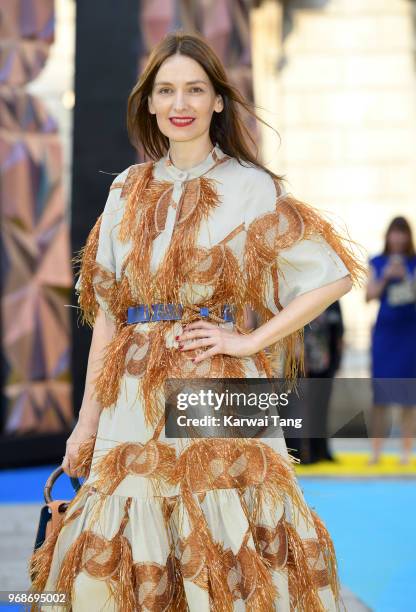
(18, 523)
(352, 603)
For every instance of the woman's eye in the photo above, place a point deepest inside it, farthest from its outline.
(168, 90)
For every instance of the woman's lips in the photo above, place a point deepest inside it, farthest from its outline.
(181, 121)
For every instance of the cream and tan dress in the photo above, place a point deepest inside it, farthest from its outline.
(208, 524)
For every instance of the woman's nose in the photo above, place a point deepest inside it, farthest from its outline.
(179, 102)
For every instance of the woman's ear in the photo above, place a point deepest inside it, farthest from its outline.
(150, 105)
(219, 104)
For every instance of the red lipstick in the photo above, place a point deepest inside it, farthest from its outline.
(181, 121)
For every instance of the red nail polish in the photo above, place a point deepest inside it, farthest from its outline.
(193, 360)
(180, 347)
(176, 337)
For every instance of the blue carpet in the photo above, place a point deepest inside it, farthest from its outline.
(25, 485)
(372, 526)
(371, 523)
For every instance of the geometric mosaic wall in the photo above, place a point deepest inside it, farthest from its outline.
(341, 83)
(35, 255)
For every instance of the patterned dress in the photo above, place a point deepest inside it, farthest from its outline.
(206, 524)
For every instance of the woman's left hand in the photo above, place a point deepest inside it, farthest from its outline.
(216, 339)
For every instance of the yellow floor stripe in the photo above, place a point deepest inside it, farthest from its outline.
(356, 464)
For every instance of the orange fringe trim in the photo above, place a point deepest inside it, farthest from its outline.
(161, 362)
(134, 203)
(328, 550)
(219, 592)
(41, 560)
(230, 288)
(270, 473)
(217, 561)
(171, 274)
(143, 200)
(260, 260)
(145, 573)
(122, 583)
(277, 481)
(125, 587)
(234, 286)
(158, 462)
(82, 465)
(259, 263)
(72, 564)
(121, 299)
(303, 593)
(107, 383)
(164, 286)
(264, 597)
(85, 259)
(274, 482)
(315, 223)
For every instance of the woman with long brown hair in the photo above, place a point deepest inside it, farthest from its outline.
(392, 280)
(185, 242)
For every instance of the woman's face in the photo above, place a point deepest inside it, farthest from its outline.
(397, 241)
(183, 99)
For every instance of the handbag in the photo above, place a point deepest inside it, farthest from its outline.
(53, 511)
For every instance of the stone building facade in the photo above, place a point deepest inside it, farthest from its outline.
(338, 80)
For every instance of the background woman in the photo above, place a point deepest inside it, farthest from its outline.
(392, 280)
(208, 524)
(323, 353)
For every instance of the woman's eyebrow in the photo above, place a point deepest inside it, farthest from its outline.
(187, 83)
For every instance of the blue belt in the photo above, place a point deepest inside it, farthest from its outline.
(170, 312)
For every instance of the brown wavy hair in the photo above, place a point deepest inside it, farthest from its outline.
(227, 129)
(400, 224)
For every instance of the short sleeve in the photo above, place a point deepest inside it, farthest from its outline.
(291, 249)
(97, 282)
(307, 265)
